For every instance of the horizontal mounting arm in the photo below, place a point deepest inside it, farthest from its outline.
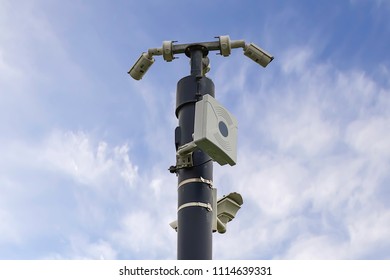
(224, 45)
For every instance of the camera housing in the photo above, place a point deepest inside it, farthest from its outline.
(257, 54)
(141, 66)
(227, 208)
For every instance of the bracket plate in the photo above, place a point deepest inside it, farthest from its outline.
(184, 160)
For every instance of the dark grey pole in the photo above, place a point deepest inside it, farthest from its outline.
(194, 241)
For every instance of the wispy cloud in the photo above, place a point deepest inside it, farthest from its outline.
(87, 163)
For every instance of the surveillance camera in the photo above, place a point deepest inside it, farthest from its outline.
(227, 208)
(258, 55)
(141, 66)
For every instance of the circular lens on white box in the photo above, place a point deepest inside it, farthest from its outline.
(223, 129)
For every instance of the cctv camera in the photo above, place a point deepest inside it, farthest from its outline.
(141, 66)
(227, 208)
(258, 55)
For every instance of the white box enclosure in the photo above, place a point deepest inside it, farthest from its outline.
(215, 131)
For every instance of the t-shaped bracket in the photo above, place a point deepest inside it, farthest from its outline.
(224, 45)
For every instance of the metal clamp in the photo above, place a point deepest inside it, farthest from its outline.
(184, 160)
(196, 204)
(196, 180)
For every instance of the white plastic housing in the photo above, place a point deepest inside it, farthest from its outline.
(215, 131)
(258, 55)
(141, 66)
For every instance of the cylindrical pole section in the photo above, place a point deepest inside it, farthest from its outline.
(194, 240)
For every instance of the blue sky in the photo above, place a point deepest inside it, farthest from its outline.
(85, 149)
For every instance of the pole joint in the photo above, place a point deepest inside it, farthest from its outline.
(199, 61)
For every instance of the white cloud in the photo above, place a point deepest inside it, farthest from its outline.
(304, 130)
(368, 231)
(31, 44)
(370, 137)
(83, 248)
(133, 216)
(136, 227)
(75, 154)
(7, 71)
(78, 179)
(316, 247)
(296, 60)
(10, 232)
